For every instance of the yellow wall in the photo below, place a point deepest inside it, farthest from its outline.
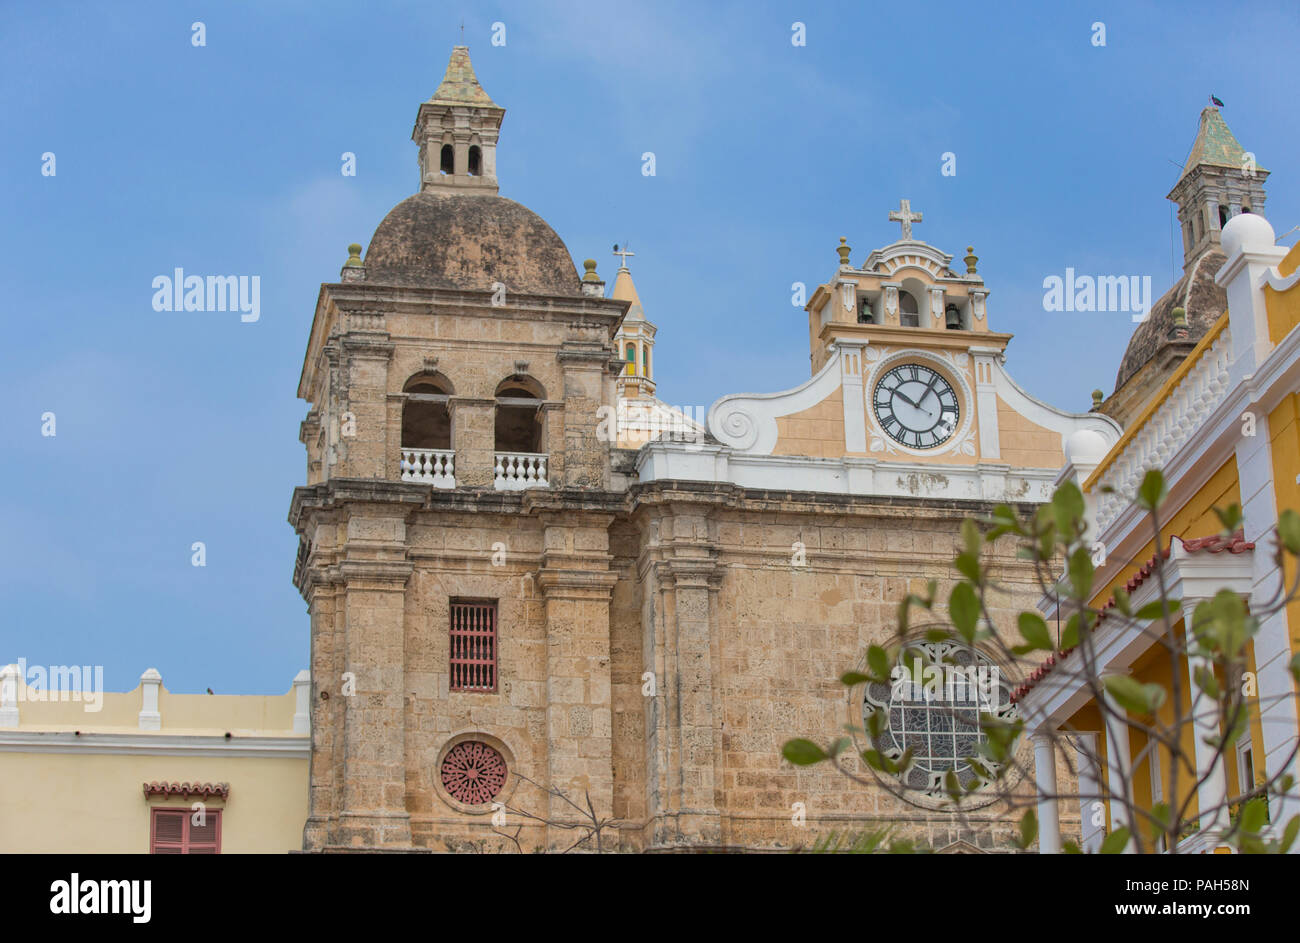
(1024, 443)
(817, 431)
(92, 801)
(1284, 434)
(95, 803)
(1283, 306)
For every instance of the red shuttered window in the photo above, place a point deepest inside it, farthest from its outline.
(473, 645)
(176, 832)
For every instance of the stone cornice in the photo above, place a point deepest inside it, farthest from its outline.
(334, 492)
(382, 574)
(590, 585)
(407, 300)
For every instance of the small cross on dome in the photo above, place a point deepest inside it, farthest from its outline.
(905, 216)
(624, 252)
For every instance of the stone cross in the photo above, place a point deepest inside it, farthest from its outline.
(624, 252)
(905, 216)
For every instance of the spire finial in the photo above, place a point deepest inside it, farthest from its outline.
(844, 251)
(625, 253)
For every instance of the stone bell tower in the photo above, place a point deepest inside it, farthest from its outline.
(457, 131)
(454, 548)
(1219, 180)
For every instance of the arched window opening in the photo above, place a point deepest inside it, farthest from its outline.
(519, 416)
(448, 160)
(426, 419)
(1223, 216)
(475, 160)
(909, 315)
(645, 361)
(631, 360)
(1245, 207)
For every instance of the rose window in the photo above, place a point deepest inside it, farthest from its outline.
(933, 708)
(473, 772)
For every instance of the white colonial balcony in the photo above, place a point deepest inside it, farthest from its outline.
(429, 466)
(516, 471)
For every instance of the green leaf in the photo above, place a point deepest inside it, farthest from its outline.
(1067, 508)
(1206, 681)
(1229, 518)
(970, 537)
(803, 752)
(1081, 572)
(1288, 530)
(1115, 841)
(1070, 637)
(952, 787)
(851, 678)
(1294, 665)
(1133, 695)
(1254, 816)
(964, 610)
(968, 565)
(1156, 610)
(1152, 491)
(840, 745)
(1289, 836)
(1028, 828)
(1122, 601)
(1070, 848)
(1034, 630)
(878, 662)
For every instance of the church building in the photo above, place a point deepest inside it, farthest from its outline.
(527, 607)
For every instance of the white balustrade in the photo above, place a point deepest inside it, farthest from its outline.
(429, 466)
(1166, 430)
(516, 471)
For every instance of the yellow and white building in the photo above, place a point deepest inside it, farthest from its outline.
(148, 770)
(1225, 429)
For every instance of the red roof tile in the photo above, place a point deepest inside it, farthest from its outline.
(221, 790)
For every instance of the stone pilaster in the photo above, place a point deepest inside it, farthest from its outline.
(585, 461)
(577, 583)
(473, 436)
(373, 596)
(365, 355)
(682, 780)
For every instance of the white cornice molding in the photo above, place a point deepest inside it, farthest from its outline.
(125, 744)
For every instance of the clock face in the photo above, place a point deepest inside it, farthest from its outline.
(916, 406)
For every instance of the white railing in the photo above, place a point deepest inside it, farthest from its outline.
(435, 467)
(1166, 430)
(516, 471)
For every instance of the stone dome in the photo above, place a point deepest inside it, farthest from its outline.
(1198, 295)
(469, 241)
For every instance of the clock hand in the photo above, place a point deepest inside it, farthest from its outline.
(903, 396)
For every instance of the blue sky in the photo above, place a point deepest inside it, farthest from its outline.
(177, 427)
